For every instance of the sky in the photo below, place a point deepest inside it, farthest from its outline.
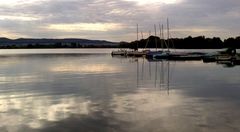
(116, 20)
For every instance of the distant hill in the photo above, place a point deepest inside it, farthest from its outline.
(70, 42)
(2, 39)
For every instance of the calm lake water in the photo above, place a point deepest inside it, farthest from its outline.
(76, 90)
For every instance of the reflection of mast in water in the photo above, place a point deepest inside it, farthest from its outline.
(162, 69)
(162, 76)
(156, 69)
(150, 71)
(168, 71)
(137, 73)
(143, 68)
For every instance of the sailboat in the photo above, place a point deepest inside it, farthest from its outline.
(136, 52)
(173, 55)
(159, 54)
(164, 54)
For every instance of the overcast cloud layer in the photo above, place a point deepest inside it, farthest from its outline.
(116, 20)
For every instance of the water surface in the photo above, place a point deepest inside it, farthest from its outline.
(89, 90)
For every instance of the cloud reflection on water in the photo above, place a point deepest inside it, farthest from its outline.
(35, 111)
(145, 100)
(19, 79)
(86, 68)
(143, 110)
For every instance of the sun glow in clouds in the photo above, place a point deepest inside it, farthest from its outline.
(144, 2)
(9, 2)
(85, 27)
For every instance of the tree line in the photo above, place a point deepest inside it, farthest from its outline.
(200, 42)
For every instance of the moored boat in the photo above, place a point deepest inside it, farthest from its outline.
(162, 55)
(151, 54)
(187, 57)
(119, 52)
(137, 53)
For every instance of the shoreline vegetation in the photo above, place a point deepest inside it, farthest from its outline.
(199, 42)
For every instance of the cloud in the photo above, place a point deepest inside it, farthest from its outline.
(19, 18)
(144, 2)
(85, 27)
(34, 18)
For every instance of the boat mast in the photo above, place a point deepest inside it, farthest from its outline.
(137, 36)
(168, 34)
(155, 36)
(148, 40)
(160, 36)
(163, 38)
